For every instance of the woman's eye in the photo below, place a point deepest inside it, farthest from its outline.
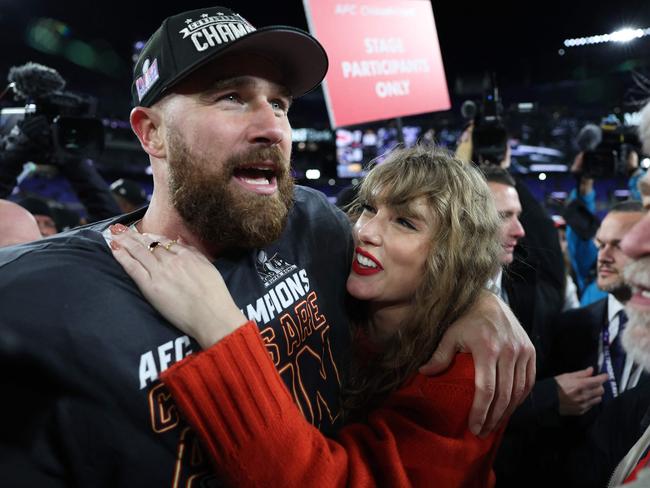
(406, 223)
(368, 208)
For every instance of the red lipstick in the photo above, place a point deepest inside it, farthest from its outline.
(359, 269)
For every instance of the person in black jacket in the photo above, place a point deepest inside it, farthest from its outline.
(87, 408)
(526, 285)
(570, 392)
(532, 295)
(541, 243)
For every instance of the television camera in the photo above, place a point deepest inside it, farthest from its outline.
(53, 125)
(606, 148)
(489, 136)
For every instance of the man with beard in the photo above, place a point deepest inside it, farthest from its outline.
(636, 338)
(617, 447)
(582, 369)
(211, 97)
(585, 355)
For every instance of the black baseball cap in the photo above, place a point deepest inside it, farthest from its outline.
(36, 206)
(130, 191)
(185, 42)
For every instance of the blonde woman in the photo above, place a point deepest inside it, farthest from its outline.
(426, 243)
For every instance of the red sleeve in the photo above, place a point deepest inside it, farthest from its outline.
(238, 404)
(643, 463)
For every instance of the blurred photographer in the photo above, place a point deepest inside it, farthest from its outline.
(606, 151)
(53, 128)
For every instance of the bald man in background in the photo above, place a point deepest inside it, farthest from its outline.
(17, 225)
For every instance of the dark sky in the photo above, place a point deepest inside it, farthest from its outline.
(519, 41)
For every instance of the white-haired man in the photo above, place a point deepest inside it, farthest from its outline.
(636, 338)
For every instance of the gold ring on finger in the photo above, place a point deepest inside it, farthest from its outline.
(168, 245)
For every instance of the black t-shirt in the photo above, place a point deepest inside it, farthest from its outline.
(81, 350)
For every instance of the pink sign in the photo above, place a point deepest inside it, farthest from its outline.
(384, 57)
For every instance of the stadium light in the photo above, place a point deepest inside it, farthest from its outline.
(312, 174)
(624, 35)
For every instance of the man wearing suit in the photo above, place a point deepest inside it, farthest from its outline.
(622, 430)
(585, 357)
(586, 340)
(582, 366)
(524, 283)
(538, 429)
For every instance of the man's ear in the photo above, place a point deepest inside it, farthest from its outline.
(147, 125)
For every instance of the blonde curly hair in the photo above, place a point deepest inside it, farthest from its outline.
(463, 255)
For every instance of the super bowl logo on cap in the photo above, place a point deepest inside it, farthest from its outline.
(149, 77)
(210, 31)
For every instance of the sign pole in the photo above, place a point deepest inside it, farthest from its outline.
(400, 131)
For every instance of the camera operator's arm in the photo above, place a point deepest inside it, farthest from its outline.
(585, 189)
(636, 172)
(582, 224)
(464, 148)
(10, 167)
(91, 189)
(26, 140)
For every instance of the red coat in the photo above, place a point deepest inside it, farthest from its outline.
(236, 401)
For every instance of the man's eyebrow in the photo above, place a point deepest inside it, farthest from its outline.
(241, 82)
(613, 242)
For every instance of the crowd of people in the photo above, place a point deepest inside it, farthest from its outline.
(238, 328)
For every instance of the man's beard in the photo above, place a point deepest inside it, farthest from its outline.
(621, 291)
(219, 215)
(618, 288)
(636, 337)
